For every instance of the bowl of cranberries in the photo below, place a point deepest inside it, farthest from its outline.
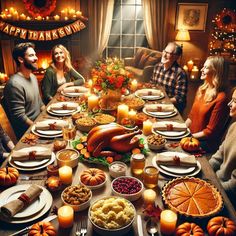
(127, 187)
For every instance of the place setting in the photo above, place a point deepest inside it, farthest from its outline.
(160, 110)
(63, 108)
(149, 94)
(74, 91)
(31, 158)
(170, 129)
(176, 164)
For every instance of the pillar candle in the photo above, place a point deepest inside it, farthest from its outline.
(134, 85)
(122, 112)
(65, 174)
(194, 73)
(65, 216)
(168, 221)
(64, 13)
(56, 17)
(92, 102)
(147, 127)
(185, 68)
(190, 65)
(90, 83)
(149, 196)
(132, 115)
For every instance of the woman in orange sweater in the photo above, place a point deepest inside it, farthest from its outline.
(209, 112)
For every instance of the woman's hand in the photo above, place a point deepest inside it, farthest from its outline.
(188, 122)
(64, 86)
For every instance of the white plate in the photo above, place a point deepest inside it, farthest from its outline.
(45, 195)
(193, 173)
(149, 97)
(160, 114)
(14, 192)
(34, 163)
(82, 90)
(63, 112)
(11, 162)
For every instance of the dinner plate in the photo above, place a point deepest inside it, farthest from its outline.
(32, 163)
(11, 162)
(149, 97)
(82, 90)
(161, 114)
(14, 192)
(63, 112)
(46, 195)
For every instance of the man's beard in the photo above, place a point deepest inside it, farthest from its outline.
(30, 65)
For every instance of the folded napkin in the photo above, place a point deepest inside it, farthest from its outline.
(73, 90)
(170, 127)
(54, 125)
(32, 155)
(159, 108)
(26, 198)
(64, 106)
(149, 93)
(188, 161)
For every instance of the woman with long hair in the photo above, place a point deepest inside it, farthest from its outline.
(60, 74)
(209, 112)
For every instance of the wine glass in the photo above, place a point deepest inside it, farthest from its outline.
(69, 133)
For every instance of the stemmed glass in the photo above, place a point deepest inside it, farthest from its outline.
(69, 133)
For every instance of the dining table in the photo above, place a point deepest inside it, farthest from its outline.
(206, 173)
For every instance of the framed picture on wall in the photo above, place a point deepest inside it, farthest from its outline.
(191, 16)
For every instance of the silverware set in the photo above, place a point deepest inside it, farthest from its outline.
(81, 227)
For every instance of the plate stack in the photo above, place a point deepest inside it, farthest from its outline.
(160, 110)
(63, 108)
(150, 94)
(74, 91)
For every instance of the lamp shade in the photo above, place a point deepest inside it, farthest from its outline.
(182, 35)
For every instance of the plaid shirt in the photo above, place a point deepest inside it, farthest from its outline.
(173, 80)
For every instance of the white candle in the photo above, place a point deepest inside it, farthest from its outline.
(132, 115)
(65, 216)
(194, 73)
(22, 16)
(92, 102)
(168, 221)
(64, 13)
(190, 65)
(122, 112)
(185, 68)
(149, 196)
(56, 17)
(65, 174)
(147, 127)
(134, 85)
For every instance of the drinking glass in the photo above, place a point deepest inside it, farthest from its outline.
(69, 133)
(137, 164)
(150, 178)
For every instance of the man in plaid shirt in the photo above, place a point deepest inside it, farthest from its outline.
(171, 76)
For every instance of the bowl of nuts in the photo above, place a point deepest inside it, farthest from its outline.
(156, 141)
(127, 187)
(85, 124)
(77, 196)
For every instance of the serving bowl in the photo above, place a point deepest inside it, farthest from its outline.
(127, 187)
(156, 141)
(67, 157)
(85, 124)
(117, 169)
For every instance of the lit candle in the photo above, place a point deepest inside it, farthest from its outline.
(56, 17)
(194, 73)
(122, 112)
(185, 68)
(168, 221)
(132, 115)
(65, 216)
(9, 16)
(134, 85)
(71, 13)
(3, 16)
(39, 18)
(64, 13)
(28, 18)
(53, 183)
(190, 65)
(15, 15)
(92, 102)
(147, 127)
(65, 174)
(90, 83)
(149, 196)
(11, 10)
(66, 18)
(78, 13)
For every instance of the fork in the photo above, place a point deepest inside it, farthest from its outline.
(77, 230)
(84, 224)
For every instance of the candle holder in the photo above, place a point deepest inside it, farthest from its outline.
(53, 183)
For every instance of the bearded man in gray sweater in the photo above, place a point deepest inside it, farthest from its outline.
(22, 101)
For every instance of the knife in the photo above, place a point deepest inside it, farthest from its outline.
(25, 230)
(140, 225)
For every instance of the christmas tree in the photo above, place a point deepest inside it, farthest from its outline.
(223, 40)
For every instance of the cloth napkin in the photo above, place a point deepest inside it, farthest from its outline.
(64, 106)
(149, 93)
(188, 161)
(53, 125)
(32, 155)
(170, 127)
(26, 198)
(159, 107)
(73, 90)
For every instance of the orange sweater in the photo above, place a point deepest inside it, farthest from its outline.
(209, 118)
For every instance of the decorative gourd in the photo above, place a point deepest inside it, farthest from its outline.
(42, 229)
(221, 226)
(8, 176)
(190, 144)
(92, 177)
(189, 229)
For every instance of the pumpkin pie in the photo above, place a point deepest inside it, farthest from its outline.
(192, 197)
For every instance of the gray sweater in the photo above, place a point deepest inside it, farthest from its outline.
(223, 162)
(21, 100)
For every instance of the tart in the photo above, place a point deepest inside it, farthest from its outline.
(192, 197)
(102, 119)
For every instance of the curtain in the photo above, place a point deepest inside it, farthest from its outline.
(8, 62)
(100, 20)
(155, 13)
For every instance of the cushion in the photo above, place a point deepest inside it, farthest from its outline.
(151, 61)
(138, 56)
(143, 60)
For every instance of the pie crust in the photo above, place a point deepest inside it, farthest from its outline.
(192, 197)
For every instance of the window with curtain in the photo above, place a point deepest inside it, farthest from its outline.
(127, 31)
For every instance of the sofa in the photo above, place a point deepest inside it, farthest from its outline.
(142, 64)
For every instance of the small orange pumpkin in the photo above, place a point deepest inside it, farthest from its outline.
(92, 177)
(42, 229)
(189, 229)
(190, 144)
(8, 176)
(221, 226)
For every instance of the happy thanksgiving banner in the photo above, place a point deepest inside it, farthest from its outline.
(41, 35)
